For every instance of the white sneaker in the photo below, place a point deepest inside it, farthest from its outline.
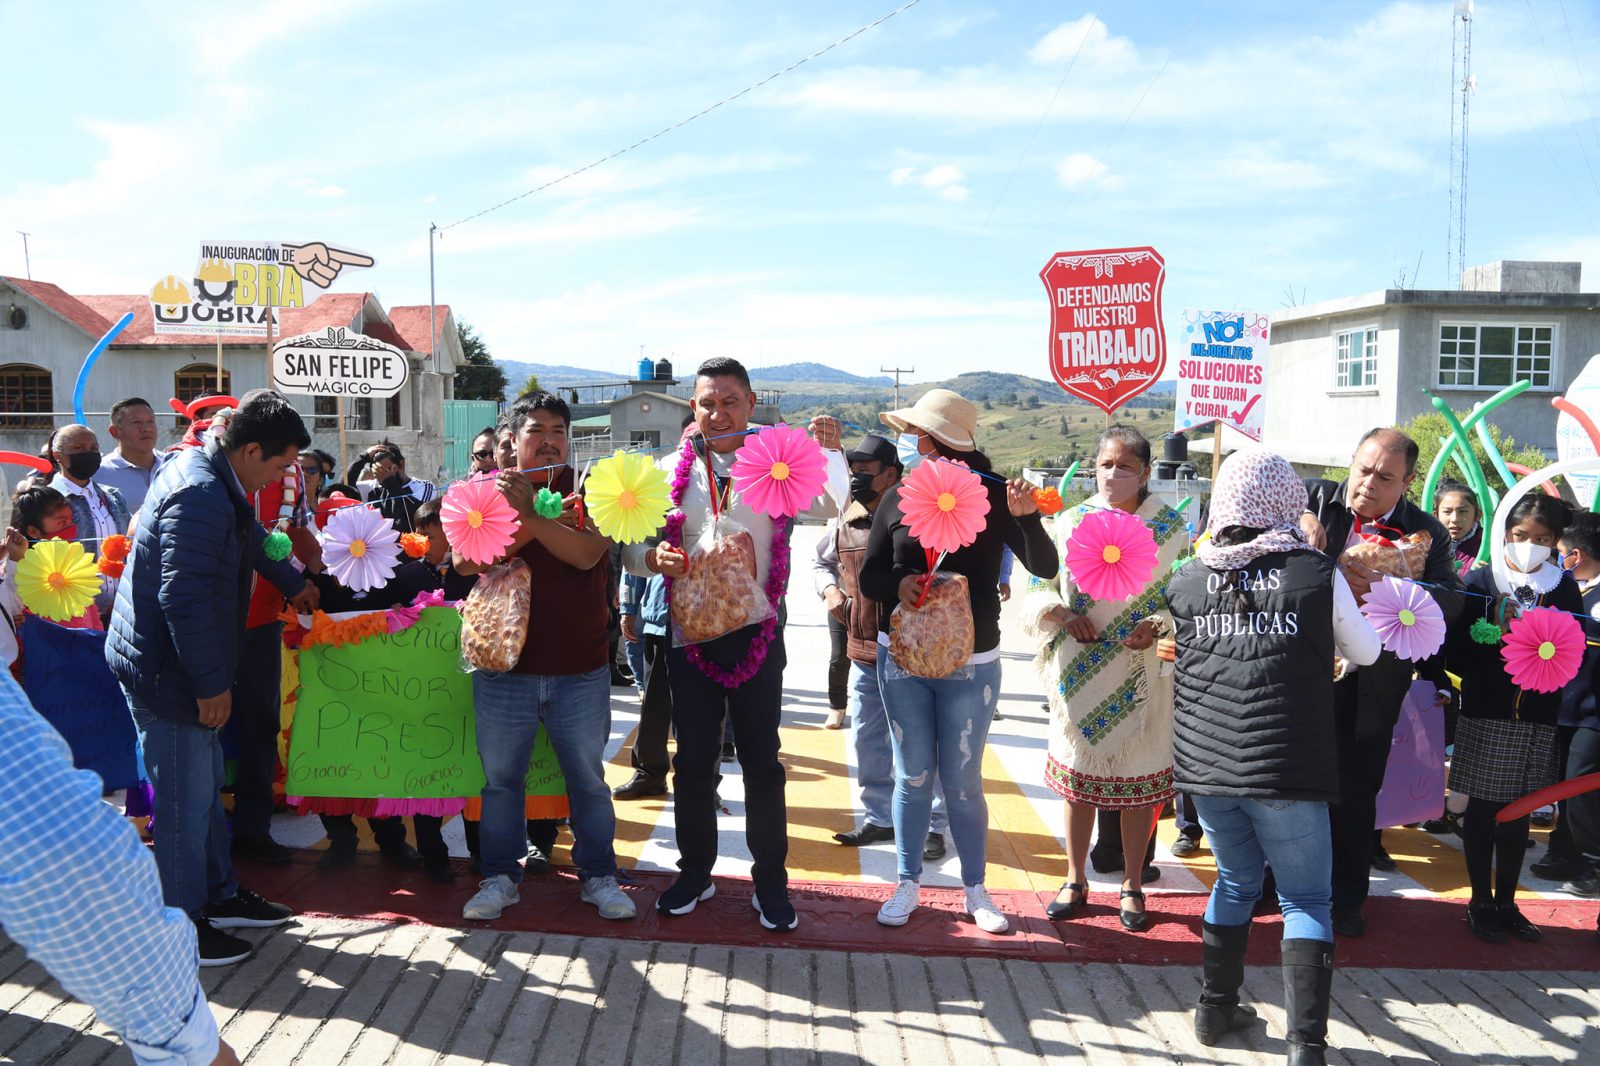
(897, 909)
(495, 894)
(983, 911)
(608, 898)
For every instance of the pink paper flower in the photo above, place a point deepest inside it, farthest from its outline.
(1543, 650)
(478, 522)
(1405, 617)
(944, 505)
(360, 548)
(1111, 555)
(779, 471)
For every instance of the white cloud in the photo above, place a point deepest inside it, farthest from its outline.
(568, 226)
(1087, 33)
(626, 176)
(944, 180)
(225, 36)
(1080, 168)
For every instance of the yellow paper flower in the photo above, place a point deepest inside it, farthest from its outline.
(627, 496)
(57, 580)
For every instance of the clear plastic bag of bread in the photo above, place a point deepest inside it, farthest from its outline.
(720, 593)
(494, 617)
(934, 640)
(1405, 557)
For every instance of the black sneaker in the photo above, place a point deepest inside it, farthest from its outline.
(246, 910)
(1557, 867)
(537, 861)
(774, 909)
(1441, 825)
(262, 849)
(218, 948)
(933, 848)
(1587, 887)
(684, 894)
(336, 856)
(402, 855)
(729, 752)
(1517, 926)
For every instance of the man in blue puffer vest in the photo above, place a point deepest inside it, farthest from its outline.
(173, 645)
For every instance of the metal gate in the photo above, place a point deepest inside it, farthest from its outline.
(463, 419)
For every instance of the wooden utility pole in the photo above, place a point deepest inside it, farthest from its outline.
(896, 371)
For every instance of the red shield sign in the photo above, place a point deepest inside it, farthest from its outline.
(1107, 342)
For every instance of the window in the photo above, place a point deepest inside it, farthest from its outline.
(26, 396)
(391, 412)
(325, 414)
(1355, 359)
(200, 379)
(362, 411)
(1492, 356)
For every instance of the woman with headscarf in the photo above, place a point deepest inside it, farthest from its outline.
(1110, 706)
(1259, 616)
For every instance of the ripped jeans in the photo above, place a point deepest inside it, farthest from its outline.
(940, 723)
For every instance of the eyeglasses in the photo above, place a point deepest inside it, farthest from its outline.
(483, 453)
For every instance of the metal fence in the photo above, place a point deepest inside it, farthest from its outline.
(462, 421)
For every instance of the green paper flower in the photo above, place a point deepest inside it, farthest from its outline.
(1485, 632)
(1177, 564)
(547, 504)
(277, 546)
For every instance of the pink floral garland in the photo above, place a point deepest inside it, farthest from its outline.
(777, 581)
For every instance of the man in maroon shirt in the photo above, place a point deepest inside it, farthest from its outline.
(563, 677)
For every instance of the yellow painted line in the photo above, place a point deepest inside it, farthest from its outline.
(1024, 852)
(637, 820)
(821, 801)
(1431, 863)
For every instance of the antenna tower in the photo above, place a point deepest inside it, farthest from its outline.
(1463, 85)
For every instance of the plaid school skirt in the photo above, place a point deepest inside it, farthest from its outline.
(1500, 760)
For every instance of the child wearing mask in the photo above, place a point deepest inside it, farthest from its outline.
(1505, 744)
(1456, 508)
(42, 513)
(1576, 839)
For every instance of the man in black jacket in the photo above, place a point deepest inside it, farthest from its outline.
(1367, 700)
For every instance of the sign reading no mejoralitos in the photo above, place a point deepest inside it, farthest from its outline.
(1222, 371)
(338, 362)
(1107, 343)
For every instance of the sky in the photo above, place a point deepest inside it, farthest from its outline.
(889, 203)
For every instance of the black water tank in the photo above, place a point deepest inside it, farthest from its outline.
(1174, 448)
(663, 369)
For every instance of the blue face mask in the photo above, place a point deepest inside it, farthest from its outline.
(906, 446)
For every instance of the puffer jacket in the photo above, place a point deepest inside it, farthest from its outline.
(180, 611)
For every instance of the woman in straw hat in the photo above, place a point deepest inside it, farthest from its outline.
(943, 722)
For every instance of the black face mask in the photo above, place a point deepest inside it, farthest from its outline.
(82, 465)
(861, 489)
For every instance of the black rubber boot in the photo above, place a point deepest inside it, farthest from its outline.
(1307, 985)
(1219, 1011)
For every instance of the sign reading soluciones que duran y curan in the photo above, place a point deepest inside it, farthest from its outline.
(1107, 343)
(338, 362)
(1222, 371)
(236, 284)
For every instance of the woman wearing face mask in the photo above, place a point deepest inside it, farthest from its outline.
(1110, 698)
(1506, 735)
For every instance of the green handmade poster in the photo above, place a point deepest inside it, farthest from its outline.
(390, 717)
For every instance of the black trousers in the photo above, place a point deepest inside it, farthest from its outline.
(649, 751)
(1582, 814)
(838, 664)
(257, 689)
(1561, 845)
(391, 833)
(699, 707)
(1108, 839)
(1362, 761)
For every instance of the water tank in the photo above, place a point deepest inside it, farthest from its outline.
(663, 369)
(647, 369)
(1174, 447)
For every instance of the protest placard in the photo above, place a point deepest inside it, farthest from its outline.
(1107, 342)
(391, 717)
(68, 682)
(1222, 372)
(338, 362)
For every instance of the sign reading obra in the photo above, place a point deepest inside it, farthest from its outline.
(236, 284)
(338, 362)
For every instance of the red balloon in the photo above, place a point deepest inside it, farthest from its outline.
(24, 459)
(1546, 796)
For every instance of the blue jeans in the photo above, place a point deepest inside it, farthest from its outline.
(576, 711)
(939, 727)
(184, 760)
(1292, 835)
(874, 758)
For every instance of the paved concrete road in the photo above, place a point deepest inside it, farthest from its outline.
(338, 991)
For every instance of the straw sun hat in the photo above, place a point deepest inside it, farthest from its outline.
(946, 416)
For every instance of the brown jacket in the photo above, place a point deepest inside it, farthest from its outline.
(860, 613)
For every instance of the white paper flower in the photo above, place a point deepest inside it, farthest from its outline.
(360, 548)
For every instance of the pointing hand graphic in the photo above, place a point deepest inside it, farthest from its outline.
(320, 264)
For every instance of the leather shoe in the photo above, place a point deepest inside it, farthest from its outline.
(866, 833)
(1134, 921)
(1071, 899)
(1484, 921)
(402, 855)
(263, 849)
(1184, 846)
(639, 786)
(933, 847)
(1349, 924)
(1380, 859)
(336, 856)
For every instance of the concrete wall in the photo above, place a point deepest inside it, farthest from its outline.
(1308, 420)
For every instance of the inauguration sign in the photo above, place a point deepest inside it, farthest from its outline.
(338, 362)
(391, 717)
(1107, 343)
(236, 284)
(1222, 373)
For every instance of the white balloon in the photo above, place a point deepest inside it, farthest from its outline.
(1497, 532)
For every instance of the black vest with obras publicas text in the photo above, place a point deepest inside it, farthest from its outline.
(1253, 706)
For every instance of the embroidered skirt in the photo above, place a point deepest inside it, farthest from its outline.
(1500, 760)
(1108, 793)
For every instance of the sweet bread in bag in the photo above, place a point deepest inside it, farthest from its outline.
(936, 639)
(1406, 557)
(720, 592)
(494, 618)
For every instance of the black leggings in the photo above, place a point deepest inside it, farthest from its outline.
(1498, 844)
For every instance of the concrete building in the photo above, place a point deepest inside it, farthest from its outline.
(1340, 367)
(45, 333)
